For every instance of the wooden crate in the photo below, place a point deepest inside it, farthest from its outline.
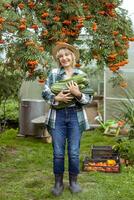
(103, 158)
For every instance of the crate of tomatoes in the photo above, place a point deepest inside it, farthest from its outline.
(103, 158)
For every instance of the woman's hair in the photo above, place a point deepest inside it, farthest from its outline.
(73, 56)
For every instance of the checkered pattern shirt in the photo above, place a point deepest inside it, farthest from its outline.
(56, 75)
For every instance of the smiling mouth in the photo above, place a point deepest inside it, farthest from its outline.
(65, 62)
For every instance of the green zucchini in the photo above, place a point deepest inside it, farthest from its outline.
(82, 82)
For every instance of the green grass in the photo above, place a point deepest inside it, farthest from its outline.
(26, 171)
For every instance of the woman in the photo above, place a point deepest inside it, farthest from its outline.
(66, 124)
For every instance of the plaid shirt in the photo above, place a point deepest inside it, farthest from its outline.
(56, 75)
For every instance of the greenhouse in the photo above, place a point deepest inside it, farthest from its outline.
(115, 95)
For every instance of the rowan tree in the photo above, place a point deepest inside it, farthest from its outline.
(32, 27)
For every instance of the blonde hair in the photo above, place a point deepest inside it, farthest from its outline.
(72, 54)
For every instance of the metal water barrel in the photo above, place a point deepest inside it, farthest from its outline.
(29, 110)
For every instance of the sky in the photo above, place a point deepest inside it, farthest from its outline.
(129, 5)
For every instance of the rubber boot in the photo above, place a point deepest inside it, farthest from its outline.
(73, 185)
(58, 187)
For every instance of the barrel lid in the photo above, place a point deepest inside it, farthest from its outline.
(33, 100)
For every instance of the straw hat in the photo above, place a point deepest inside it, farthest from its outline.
(61, 45)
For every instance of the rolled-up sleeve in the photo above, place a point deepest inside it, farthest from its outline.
(85, 99)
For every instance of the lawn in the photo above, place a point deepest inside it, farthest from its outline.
(26, 171)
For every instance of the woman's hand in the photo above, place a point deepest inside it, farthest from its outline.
(64, 96)
(74, 89)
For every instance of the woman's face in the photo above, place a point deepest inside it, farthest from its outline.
(65, 57)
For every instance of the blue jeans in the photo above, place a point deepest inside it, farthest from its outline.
(66, 131)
